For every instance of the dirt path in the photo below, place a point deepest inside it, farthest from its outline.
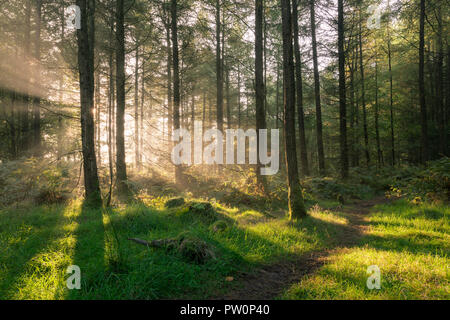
(272, 280)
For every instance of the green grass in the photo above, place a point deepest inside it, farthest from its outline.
(37, 244)
(409, 243)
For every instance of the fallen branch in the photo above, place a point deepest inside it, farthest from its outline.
(154, 243)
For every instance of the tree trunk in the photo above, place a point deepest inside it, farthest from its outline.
(320, 151)
(121, 167)
(36, 100)
(219, 71)
(299, 87)
(85, 39)
(176, 82)
(391, 92)
(377, 114)
(423, 107)
(363, 94)
(295, 198)
(136, 109)
(342, 93)
(259, 84)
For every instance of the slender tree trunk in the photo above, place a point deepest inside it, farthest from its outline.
(391, 91)
(60, 147)
(277, 98)
(176, 82)
(423, 107)
(169, 85)
(440, 82)
(295, 198)
(98, 118)
(259, 84)
(320, 151)
(299, 88)
(239, 96)
(342, 92)
(219, 71)
(85, 39)
(377, 114)
(37, 100)
(141, 131)
(136, 110)
(363, 95)
(24, 117)
(121, 167)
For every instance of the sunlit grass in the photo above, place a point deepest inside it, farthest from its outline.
(39, 244)
(410, 245)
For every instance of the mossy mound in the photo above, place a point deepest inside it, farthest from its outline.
(203, 210)
(219, 226)
(174, 202)
(195, 250)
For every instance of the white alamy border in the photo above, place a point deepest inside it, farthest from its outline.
(213, 152)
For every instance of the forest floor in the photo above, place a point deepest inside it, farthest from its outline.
(257, 253)
(280, 276)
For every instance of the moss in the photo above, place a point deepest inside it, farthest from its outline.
(219, 226)
(195, 250)
(204, 210)
(174, 202)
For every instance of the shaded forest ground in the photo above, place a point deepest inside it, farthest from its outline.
(324, 256)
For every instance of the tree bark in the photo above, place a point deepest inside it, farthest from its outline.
(121, 167)
(259, 84)
(299, 88)
(85, 39)
(37, 100)
(423, 107)
(342, 92)
(295, 198)
(320, 151)
(176, 82)
(363, 94)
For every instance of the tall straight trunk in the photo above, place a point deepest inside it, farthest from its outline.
(363, 94)
(176, 82)
(259, 83)
(342, 92)
(440, 82)
(192, 127)
(377, 114)
(391, 88)
(446, 113)
(352, 107)
(136, 110)
(85, 39)
(423, 107)
(277, 98)
(169, 85)
(299, 87)
(37, 100)
(227, 92)
(295, 198)
(110, 109)
(24, 118)
(203, 115)
(239, 96)
(97, 118)
(219, 71)
(60, 147)
(121, 167)
(141, 125)
(357, 122)
(320, 151)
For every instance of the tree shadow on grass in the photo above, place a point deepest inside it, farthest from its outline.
(89, 253)
(38, 229)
